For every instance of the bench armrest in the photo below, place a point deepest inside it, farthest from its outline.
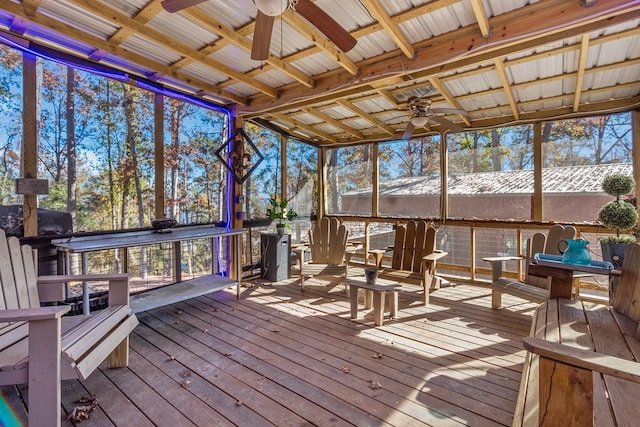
(497, 265)
(37, 313)
(585, 359)
(51, 288)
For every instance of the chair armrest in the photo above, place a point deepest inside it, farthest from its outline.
(585, 359)
(497, 265)
(36, 313)
(377, 253)
(436, 255)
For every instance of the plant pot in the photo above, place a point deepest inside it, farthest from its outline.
(280, 229)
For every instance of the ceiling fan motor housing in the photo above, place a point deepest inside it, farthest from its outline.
(272, 7)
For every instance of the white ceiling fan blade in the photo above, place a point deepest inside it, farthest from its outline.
(408, 132)
(177, 5)
(450, 111)
(446, 123)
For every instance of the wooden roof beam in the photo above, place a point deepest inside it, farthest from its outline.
(481, 17)
(448, 96)
(146, 14)
(209, 22)
(69, 31)
(302, 25)
(303, 126)
(367, 116)
(506, 85)
(122, 20)
(582, 62)
(337, 123)
(381, 15)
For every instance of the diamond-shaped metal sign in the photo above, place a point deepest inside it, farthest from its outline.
(240, 166)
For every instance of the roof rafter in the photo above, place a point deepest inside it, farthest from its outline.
(302, 25)
(122, 20)
(337, 123)
(448, 96)
(69, 31)
(367, 116)
(582, 62)
(481, 17)
(506, 85)
(298, 124)
(378, 11)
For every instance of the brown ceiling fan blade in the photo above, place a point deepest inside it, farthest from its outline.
(450, 111)
(262, 37)
(177, 5)
(408, 132)
(446, 123)
(326, 24)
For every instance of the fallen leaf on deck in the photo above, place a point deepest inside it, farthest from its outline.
(185, 384)
(345, 369)
(375, 385)
(377, 356)
(239, 403)
(179, 311)
(81, 413)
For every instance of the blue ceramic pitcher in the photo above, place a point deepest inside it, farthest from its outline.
(576, 252)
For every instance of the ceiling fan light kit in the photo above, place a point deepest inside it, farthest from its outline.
(419, 121)
(272, 7)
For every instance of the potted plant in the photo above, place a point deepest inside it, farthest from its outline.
(619, 215)
(278, 210)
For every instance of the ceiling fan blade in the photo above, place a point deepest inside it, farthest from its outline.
(177, 5)
(408, 132)
(450, 111)
(326, 24)
(447, 123)
(262, 37)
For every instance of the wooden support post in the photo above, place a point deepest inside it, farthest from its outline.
(30, 141)
(159, 208)
(566, 395)
(537, 209)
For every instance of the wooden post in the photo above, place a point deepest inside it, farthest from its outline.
(322, 182)
(30, 141)
(159, 155)
(375, 199)
(235, 205)
(444, 178)
(537, 207)
(635, 123)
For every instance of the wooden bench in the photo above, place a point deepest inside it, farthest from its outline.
(534, 288)
(39, 347)
(374, 293)
(583, 367)
(414, 257)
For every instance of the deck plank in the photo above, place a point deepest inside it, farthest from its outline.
(280, 356)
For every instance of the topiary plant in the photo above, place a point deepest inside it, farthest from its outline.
(618, 214)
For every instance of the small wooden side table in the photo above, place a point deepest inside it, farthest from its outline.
(374, 293)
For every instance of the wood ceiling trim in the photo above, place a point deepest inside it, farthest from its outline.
(74, 33)
(396, 34)
(582, 62)
(462, 47)
(122, 20)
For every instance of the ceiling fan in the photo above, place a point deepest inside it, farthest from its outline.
(268, 10)
(422, 113)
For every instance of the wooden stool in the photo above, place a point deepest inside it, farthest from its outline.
(374, 293)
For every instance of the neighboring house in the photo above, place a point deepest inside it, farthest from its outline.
(571, 194)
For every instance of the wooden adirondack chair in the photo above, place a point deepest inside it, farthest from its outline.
(328, 245)
(38, 346)
(414, 257)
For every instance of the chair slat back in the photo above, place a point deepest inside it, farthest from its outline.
(558, 232)
(627, 297)
(328, 242)
(412, 242)
(17, 274)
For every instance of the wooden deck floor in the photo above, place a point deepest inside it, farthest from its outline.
(285, 358)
